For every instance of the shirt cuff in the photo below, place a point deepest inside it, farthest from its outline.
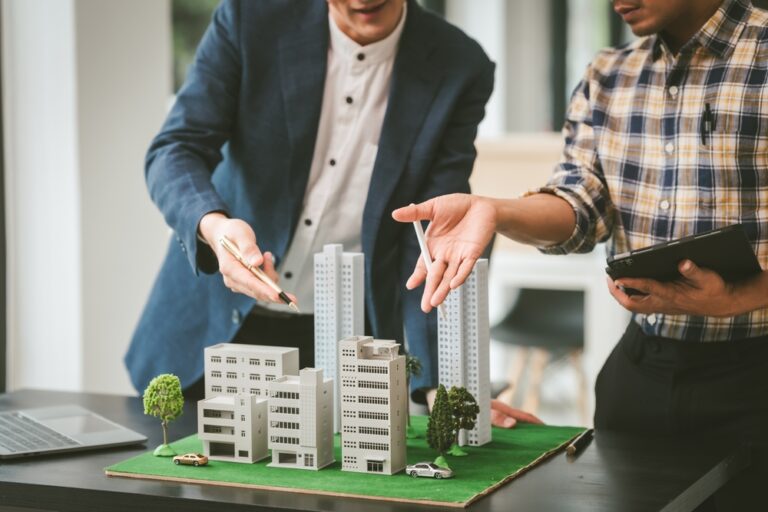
(576, 240)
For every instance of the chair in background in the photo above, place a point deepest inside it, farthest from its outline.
(545, 325)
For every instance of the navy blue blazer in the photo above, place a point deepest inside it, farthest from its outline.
(240, 139)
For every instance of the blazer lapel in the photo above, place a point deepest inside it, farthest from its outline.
(303, 55)
(415, 79)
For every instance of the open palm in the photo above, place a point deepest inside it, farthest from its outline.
(460, 228)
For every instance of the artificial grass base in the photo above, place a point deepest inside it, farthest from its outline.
(509, 454)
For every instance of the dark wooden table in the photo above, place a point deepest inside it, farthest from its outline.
(615, 472)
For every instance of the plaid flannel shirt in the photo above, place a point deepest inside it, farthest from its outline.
(637, 170)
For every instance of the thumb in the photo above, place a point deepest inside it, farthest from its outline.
(251, 254)
(414, 212)
(689, 270)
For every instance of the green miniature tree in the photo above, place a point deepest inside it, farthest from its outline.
(412, 369)
(440, 426)
(464, 410)
(163, 399)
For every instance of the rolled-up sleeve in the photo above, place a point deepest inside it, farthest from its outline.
(579, 179)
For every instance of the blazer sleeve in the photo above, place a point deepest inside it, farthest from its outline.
(449, 173)
(182, 157)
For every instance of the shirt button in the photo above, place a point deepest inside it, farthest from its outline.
(236, 317)
(360, 56)
(664, 205)
(349, 100)
(307, 222)
(651, 319)
(673, 91)
(288, 274)
(669, 148)
(332, 162)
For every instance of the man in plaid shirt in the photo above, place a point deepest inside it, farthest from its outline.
(638, 168)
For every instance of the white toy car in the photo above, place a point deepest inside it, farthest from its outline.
(427, 469)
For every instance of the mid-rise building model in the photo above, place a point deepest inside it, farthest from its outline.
(374, 405)
(463, 344)
(233, 428)
(339, 308)
(234, 368)
(301, 420)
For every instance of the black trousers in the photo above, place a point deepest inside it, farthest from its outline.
(266, 327)
(658, 386)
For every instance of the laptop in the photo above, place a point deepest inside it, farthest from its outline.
(57, 429)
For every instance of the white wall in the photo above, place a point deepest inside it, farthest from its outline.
(86, 87)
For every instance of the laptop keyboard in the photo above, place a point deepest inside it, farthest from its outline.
(18, 433)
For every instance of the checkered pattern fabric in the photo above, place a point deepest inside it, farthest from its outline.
(637, 168)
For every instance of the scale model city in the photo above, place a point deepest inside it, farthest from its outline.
(257, 399)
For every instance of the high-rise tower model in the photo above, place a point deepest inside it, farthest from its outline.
(235, 368)
(301, 420)
(374, 405)
(463, 344)
(339, 308)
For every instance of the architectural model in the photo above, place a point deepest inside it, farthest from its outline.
(463, 341)
(233, 428)
(301, 420)
(339, 308)
(234, 368)
(374, 405)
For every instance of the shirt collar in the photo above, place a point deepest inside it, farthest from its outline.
(374, 53)
(720, 34)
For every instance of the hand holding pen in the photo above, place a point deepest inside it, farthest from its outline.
(243, 267)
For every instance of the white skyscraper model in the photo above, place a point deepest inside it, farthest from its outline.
(339, 308)
(233, 428)
(374, 405)
(463, 340)
(234, 368)
(301, 420)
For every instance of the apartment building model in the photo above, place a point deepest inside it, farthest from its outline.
(463, 344)
(339, 308)
(233, 368)
(233, 428)
(301, 420)
(374, 405)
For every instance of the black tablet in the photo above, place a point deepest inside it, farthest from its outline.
(726, 251)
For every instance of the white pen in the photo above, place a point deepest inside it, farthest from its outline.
(425, 256)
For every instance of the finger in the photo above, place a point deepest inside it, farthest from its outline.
(414, 212)
(269, 267)
(499, 419)
(463, 273)
(696, 275)
(418, 276)
(647, 286)
(445, 284)
(631, 303)
(248, 284)
(519, 415)
(250, 252)
(434, 276)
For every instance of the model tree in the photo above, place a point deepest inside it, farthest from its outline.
(412, 369)
(464, 410)
(163, 399)
(440, 426)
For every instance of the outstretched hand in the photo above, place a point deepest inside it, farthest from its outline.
(461, 226)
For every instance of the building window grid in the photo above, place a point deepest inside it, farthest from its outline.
(216, 389)
(231, 360)
(215, 374)
(377, 400)
(375, 431)
(365, 445)
(232, 390)
(254, 362)
(215, 359)
(270, 362)
(280, 409)
(289, 395)
(292, 425)
(371, 415)
(284, 439)
(231, 375)
(369, 384)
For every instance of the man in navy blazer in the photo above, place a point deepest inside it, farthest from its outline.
(235, 153)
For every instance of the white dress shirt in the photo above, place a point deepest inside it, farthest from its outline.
(357, 83)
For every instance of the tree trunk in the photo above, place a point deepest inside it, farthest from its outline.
(165, 432)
